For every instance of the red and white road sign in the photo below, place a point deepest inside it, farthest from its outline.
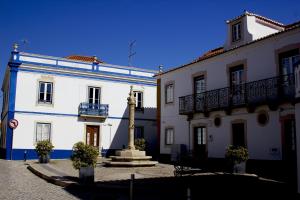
(13, 123)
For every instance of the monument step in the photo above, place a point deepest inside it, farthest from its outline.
(131, 164)
(130, 158)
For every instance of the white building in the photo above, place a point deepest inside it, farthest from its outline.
(73, 99)
(241, 94)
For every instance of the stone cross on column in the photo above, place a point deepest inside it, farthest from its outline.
(131, 106)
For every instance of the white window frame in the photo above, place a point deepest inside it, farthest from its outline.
(136, 94)
(236, 32)
(44, 99)
(169, 136)
(94, 95)
(37, 139)
(169, 93)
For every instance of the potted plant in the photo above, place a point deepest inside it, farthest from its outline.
(237, 157)
(84, 158)
(43, 149)
(140, 144)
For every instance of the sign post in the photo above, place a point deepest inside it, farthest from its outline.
(13, 124)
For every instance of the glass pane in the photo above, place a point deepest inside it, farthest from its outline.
(41, 97)
(95, 139)
(203, 135)
(42, 87)
(88, 138)
(91, 93)
(48, 97)
(97, 95)
(46, 132)
(49, 87)
(38, 132)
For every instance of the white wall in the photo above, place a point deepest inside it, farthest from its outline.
(68, 128)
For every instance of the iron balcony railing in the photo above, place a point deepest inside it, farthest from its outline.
(267, 91)
(90, 109)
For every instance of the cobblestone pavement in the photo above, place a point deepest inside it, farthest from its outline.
(17, 182)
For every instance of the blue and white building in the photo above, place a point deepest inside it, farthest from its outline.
(66, 100)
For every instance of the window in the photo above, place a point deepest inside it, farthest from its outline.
(43, 131)
(287, 61)
(94, 95)
(169, 93)
(138, 100)
(138, 132)
(237, 75)
(199, 84)
(45, 92)
(169, 136)
(236, 32)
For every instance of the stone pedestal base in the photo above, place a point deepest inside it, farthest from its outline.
(130, 158)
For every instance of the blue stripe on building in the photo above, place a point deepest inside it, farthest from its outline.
(20, 154)
(11, 105)
(76, 115)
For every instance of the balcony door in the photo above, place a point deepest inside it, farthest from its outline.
(237, 88)
(199, 89)
(287, 61)
(94, 98)
(92, 136)
(200, 142)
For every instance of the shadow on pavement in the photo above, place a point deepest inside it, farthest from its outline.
(211, 186)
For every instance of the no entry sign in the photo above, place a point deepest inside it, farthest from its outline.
(13, 123)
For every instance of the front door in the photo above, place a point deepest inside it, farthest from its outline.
(238, 134)
(289, 148)
(92, 136)
(200, 142)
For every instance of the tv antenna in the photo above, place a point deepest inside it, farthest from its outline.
(24, 43)
(131, 52)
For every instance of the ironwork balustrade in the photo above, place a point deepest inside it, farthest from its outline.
(267, 91)
(91, 109)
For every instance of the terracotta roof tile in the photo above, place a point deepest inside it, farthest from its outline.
(211, 53)
(83, 58)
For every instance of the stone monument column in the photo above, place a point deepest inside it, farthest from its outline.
(131, 106)
(131, 157)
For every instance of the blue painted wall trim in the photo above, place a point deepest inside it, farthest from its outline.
(74, 115)
(14, 66)
(94, 69)
(81, 62)
(140, 82)
(18, 154)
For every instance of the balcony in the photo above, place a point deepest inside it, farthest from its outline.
(93, 110)
(271, 91)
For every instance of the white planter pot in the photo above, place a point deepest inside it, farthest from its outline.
(239, 167)
(86, 175)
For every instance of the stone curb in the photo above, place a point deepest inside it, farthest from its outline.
(50, 179)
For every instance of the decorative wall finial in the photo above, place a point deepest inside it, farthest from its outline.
(160, 68)
(95, 59)
(15, 47)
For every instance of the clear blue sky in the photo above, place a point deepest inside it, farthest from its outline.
(167, 32)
